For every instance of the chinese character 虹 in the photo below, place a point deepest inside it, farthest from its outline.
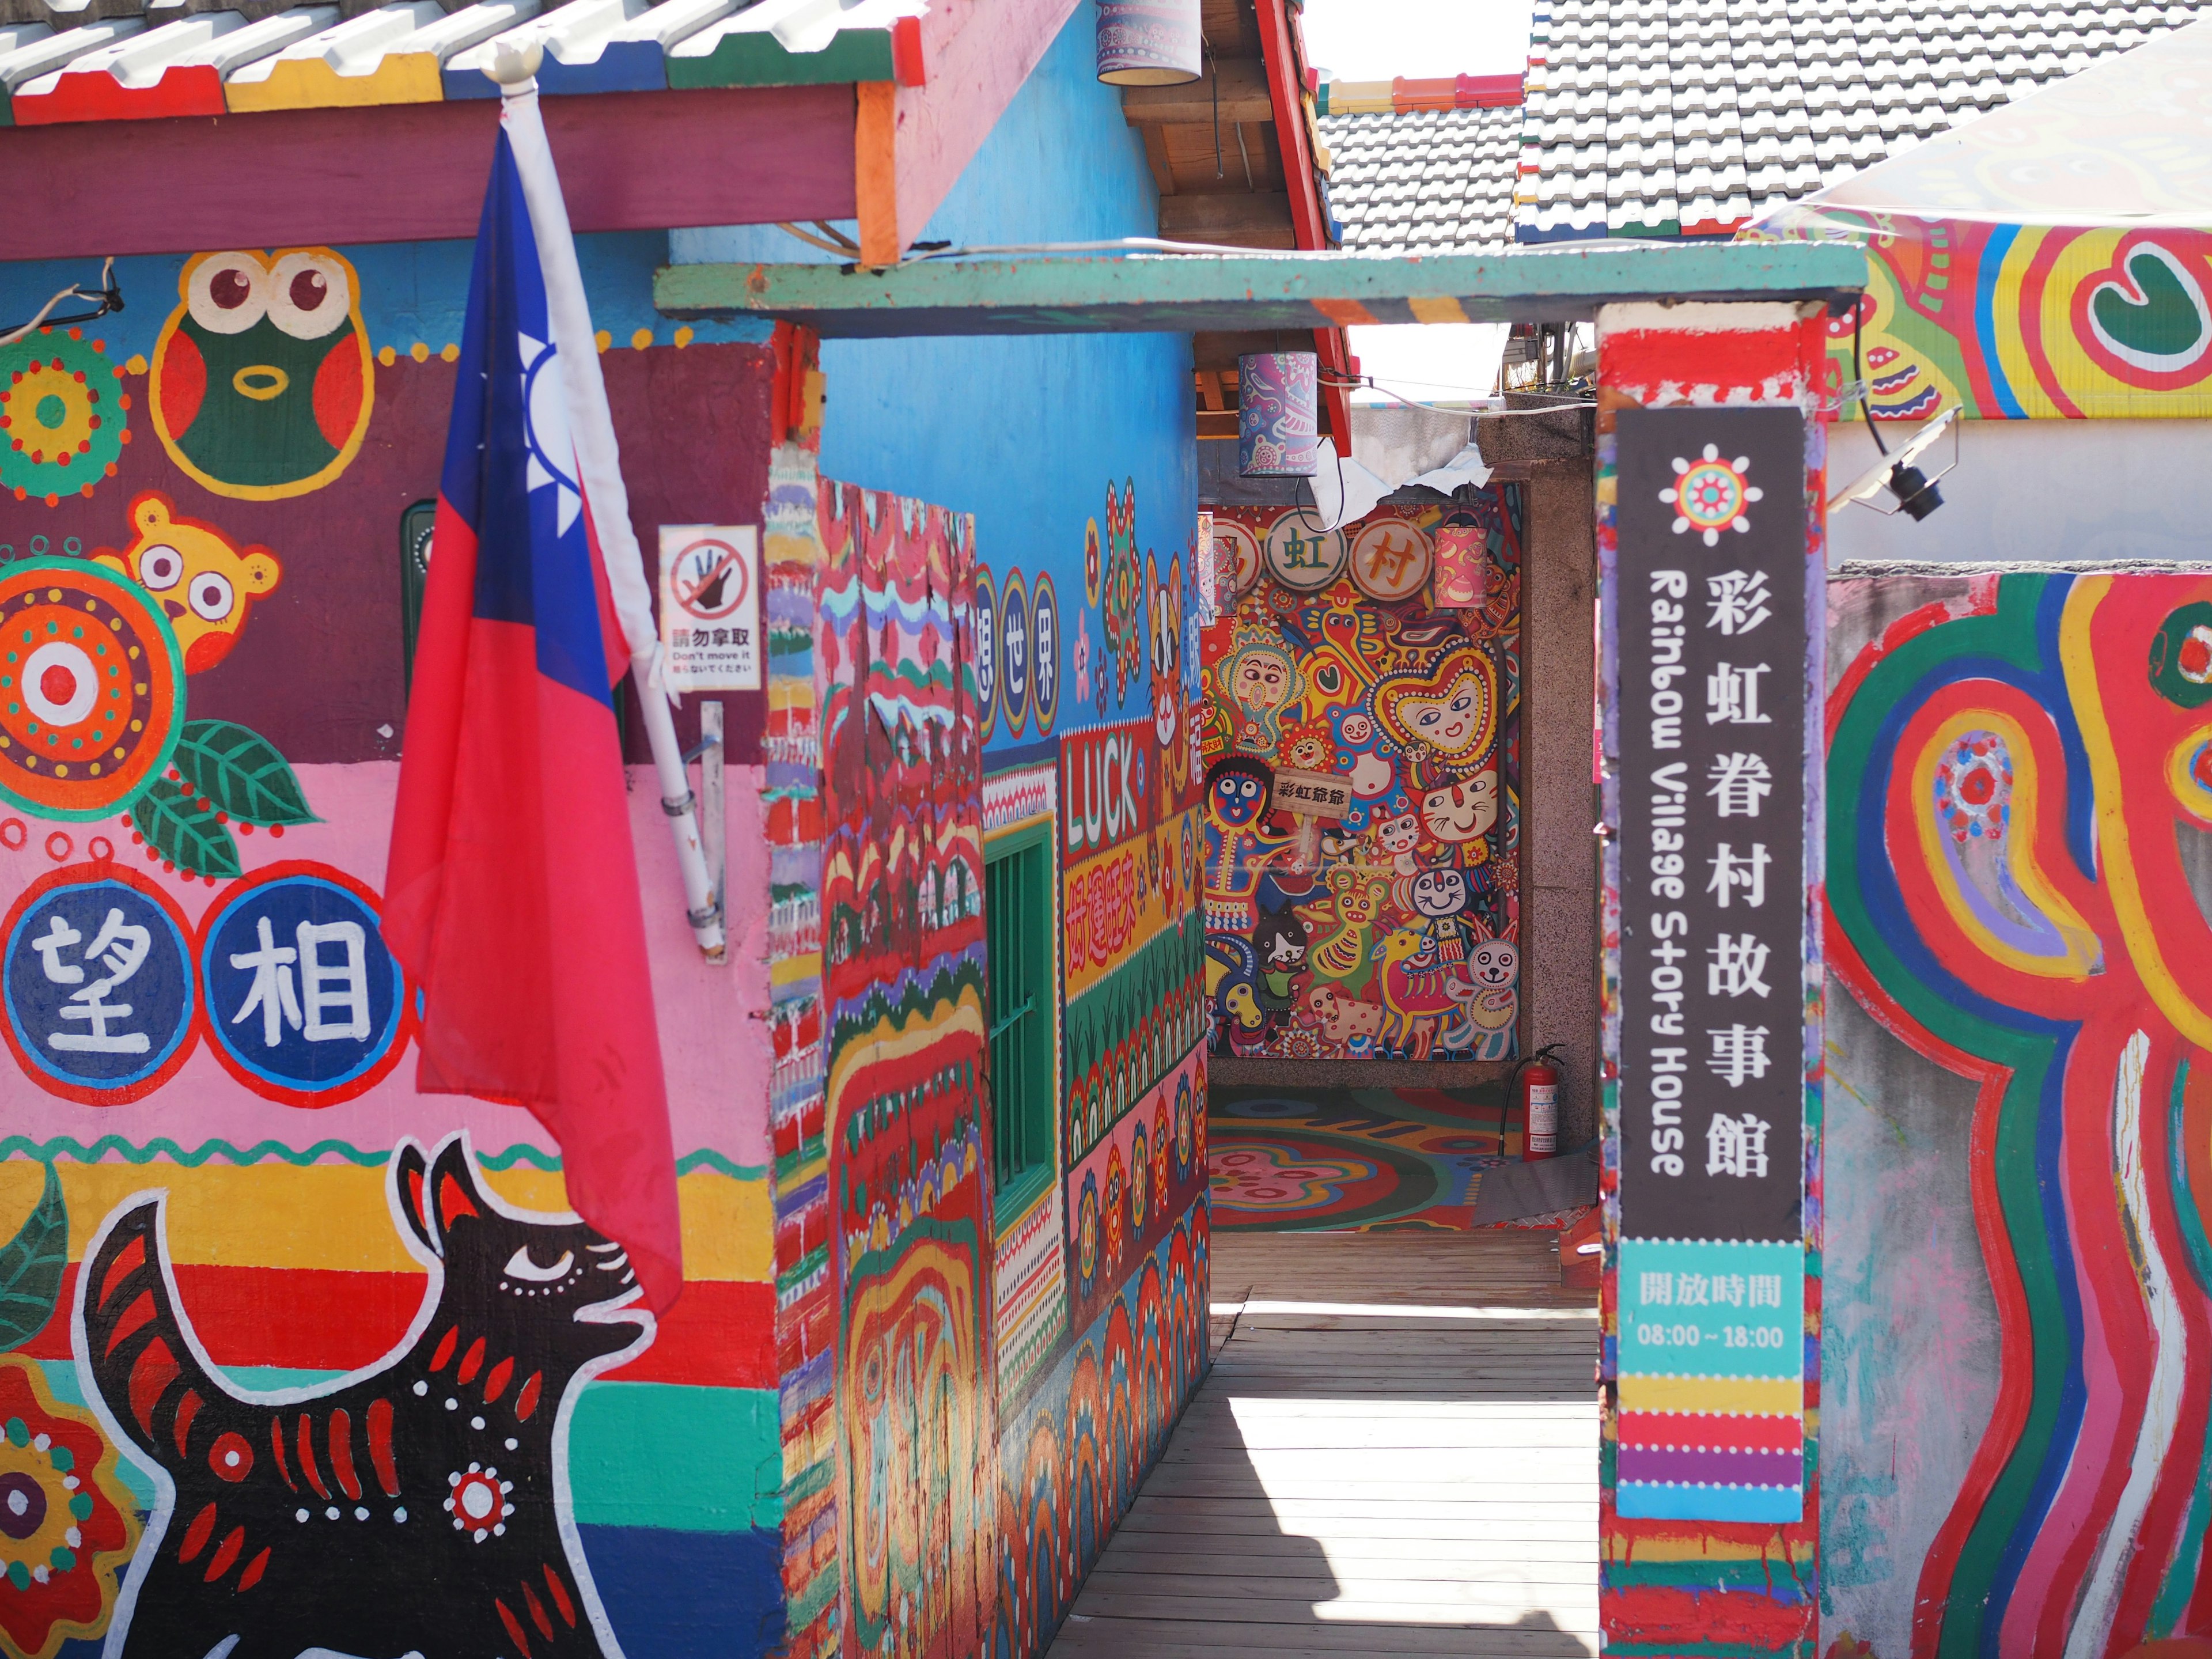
(1738, 601)
(1739, 1052)
(120, 947)
(1740, 872)
(1732, 696)
(1658, 1289)
(1738, 965)
(1736, 1147)
(1740, 782)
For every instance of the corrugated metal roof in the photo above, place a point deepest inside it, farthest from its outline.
(1689, 117)
(123, 59)
(1426, 181)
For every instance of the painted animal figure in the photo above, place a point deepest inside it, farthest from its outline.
(418, 1506)
(1418, 988)
(204, 582)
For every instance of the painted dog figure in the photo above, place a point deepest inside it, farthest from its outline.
(419, 1506)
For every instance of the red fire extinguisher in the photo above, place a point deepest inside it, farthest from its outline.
(1539, 1080)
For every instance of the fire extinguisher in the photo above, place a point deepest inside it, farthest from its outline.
(1539, 1080)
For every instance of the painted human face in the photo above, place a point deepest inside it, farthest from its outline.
(1495, 963)
(1440, 892)
(1460, 812)
(1396, 836)
(1449, 721)
(1237, 799)
(1260, 678)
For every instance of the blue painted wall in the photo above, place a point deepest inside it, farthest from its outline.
(1026, 434)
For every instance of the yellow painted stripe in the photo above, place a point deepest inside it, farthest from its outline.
(1766, 1396)
(309, 83)
(1344, 312)
(1650, 1545)
(1442, 310)
(335, 1216)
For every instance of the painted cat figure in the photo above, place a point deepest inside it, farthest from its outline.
(419, 1506)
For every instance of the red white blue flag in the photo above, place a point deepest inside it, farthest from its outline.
(512, 892)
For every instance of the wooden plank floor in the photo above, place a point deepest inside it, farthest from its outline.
(1395, 1453)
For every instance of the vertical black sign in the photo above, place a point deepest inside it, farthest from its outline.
(1711, 518)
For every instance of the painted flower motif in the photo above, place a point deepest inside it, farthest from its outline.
(1086, 1230)
(66, 1522)
(479, 1502)
(1710, 495)
(1115, 1184)
(1973, 788)
(1139, 1185)
(1083, 645)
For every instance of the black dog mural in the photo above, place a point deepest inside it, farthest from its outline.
(420, 1506)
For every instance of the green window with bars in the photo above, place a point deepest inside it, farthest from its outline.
(1023, 986)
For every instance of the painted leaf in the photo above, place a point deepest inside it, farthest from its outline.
(240, 771)
(183, 831)
(31, 1267)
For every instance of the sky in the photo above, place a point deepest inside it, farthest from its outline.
(1376, 39)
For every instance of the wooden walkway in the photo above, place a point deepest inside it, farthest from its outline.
(1396, 1452)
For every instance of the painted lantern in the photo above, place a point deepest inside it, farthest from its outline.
(1463, 563)
(1276, 434)
(1148, 43)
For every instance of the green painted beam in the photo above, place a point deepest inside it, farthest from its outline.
(1187, 292)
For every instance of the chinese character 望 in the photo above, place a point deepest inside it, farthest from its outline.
(1740, 782)
(119, 947)
(1738, 601)
(1736, 1147)
(1743, 873)
(1738, 965)
(1739, 1052)
(1732, 696)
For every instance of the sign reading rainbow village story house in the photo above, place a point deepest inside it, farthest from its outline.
(1713, 638)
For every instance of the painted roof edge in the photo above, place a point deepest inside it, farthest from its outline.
(1190, 293)
(1404, 96)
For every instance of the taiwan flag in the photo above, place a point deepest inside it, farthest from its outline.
(512, 893)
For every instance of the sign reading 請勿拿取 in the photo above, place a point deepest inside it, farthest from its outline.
(1712, 638)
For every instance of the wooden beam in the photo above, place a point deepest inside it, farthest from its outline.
(1218, 215)
(1243, 90)
(875, 172)
(1209, 389)
(641, 160)
(975, 57)
(1191, 293)
(1156, 158)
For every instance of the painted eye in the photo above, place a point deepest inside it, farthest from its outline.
(227, 293)
(309, 295)
(521, 1265)
(161, 568)
(211, 596)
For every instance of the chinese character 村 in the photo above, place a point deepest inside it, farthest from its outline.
(1740, 873)
(120, 947)
(1736, 1147)
(1740, 782)
(1732, 696)
(1738, 965)
(1738, 601)
(1739, 1052)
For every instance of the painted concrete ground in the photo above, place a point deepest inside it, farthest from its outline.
(1366, 1160)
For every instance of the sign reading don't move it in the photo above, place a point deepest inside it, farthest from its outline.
(710, 607)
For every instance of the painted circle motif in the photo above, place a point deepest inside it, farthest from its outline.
(305, 1005)
(1086, 1230)
(1973, 788)
(1391, 559)
(91, 688)
(1293, 1178)
(1044, 655)
(1303, 555)
(1014, 660)
(1182, 1130)
(96, 972)
(1710, 494)
(62, 419)
(1139, 1183)
(983, 657)
(1237, 551)
(2181, 657)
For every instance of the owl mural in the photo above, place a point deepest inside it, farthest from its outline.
(261, 384)
(203, 581)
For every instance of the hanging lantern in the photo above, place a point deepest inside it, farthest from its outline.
(1463, 563)
(1277, 434)
(1148, 43)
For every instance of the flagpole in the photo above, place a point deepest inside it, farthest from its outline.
(598, 467)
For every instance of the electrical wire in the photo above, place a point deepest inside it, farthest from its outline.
(1866, 404)
(107, 299)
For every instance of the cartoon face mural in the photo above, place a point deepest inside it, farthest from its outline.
(2017, 818)
(1238, 794)
(1418, 711)
(383, 1468)
(204, 582)
(261, 382)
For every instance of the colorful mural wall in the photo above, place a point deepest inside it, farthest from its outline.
(2020, 789)
(1389, 925)
(280, 1342)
